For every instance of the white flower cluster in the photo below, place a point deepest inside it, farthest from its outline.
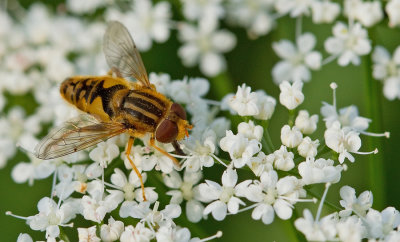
(356, 221)
(42, 48)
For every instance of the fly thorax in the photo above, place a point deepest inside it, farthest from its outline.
(226, 194)
(270, 196)
(129, 192)
(187, 191)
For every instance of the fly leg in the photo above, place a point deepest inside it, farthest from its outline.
(152, 144)
(127, 153)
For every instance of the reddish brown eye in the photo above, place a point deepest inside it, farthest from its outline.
(176, 108)
(166, 131)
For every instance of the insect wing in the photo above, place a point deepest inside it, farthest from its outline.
(122, 55)
(76, 135)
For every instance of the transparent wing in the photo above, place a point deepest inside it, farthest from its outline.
(122, 55)
(75, 135)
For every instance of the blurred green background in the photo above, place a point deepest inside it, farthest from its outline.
(251, 62)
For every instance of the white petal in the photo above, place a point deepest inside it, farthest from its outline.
(283, 209)
(118, 178)
(194, 211)
(229, 178)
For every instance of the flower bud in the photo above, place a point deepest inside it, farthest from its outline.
(291, 96)
(305, 123)
(308, 148)
(250, 130)
(266, 106)
(291, 137)
(283, 159)
(111, 231)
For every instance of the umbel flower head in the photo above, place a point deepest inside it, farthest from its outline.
(239, 155)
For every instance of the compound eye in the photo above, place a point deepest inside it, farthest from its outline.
(178, 110)
(166, 131)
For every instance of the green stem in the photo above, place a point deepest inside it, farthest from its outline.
(374, 111)
(292, 115)
(63, 235)
(222, 84)
(331, 205)
(266, 139)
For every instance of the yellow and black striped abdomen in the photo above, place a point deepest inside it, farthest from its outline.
(145, 108)
(99, 96)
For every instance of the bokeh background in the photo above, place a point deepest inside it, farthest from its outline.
(251, 62)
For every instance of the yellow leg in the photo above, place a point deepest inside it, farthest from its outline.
(152, 144)
(127, 153)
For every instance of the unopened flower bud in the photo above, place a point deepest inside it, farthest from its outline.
(291, 137)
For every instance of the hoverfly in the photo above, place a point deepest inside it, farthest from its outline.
(115, 106)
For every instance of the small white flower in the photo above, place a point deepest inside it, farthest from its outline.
(283, 159)
(308, 148)
(130, 188)
(50, 216)
(22, 237)
(111, 231)
(351, 203)
(291, 137)
(147, 21)
(201, 151)
(205, 44)
(186, 191)
(294, 7)
(297, 60)
(152, 217)
(79, 7)
(244, 102)
(351, 229)
(381, 223)
(158, 161)
(306, 123)
(266, 105)
(319, 171)
(105, 152)
(348, 43)
(367, 13)
(161, 81)
(393, 10)
(261, 163)
(95, 208)
(199, 10)
(36, 169)
(324, 11)
(291, 96)
(240, 148)
(254, 15)
(272, 196)
(250, 130)
(347, 116)
(343, 141)
(138, 233)
(187, 91)
(88, 234)
(385, 66)
(391, 88)
(322, 230)
(223, 197)
(176, 234)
